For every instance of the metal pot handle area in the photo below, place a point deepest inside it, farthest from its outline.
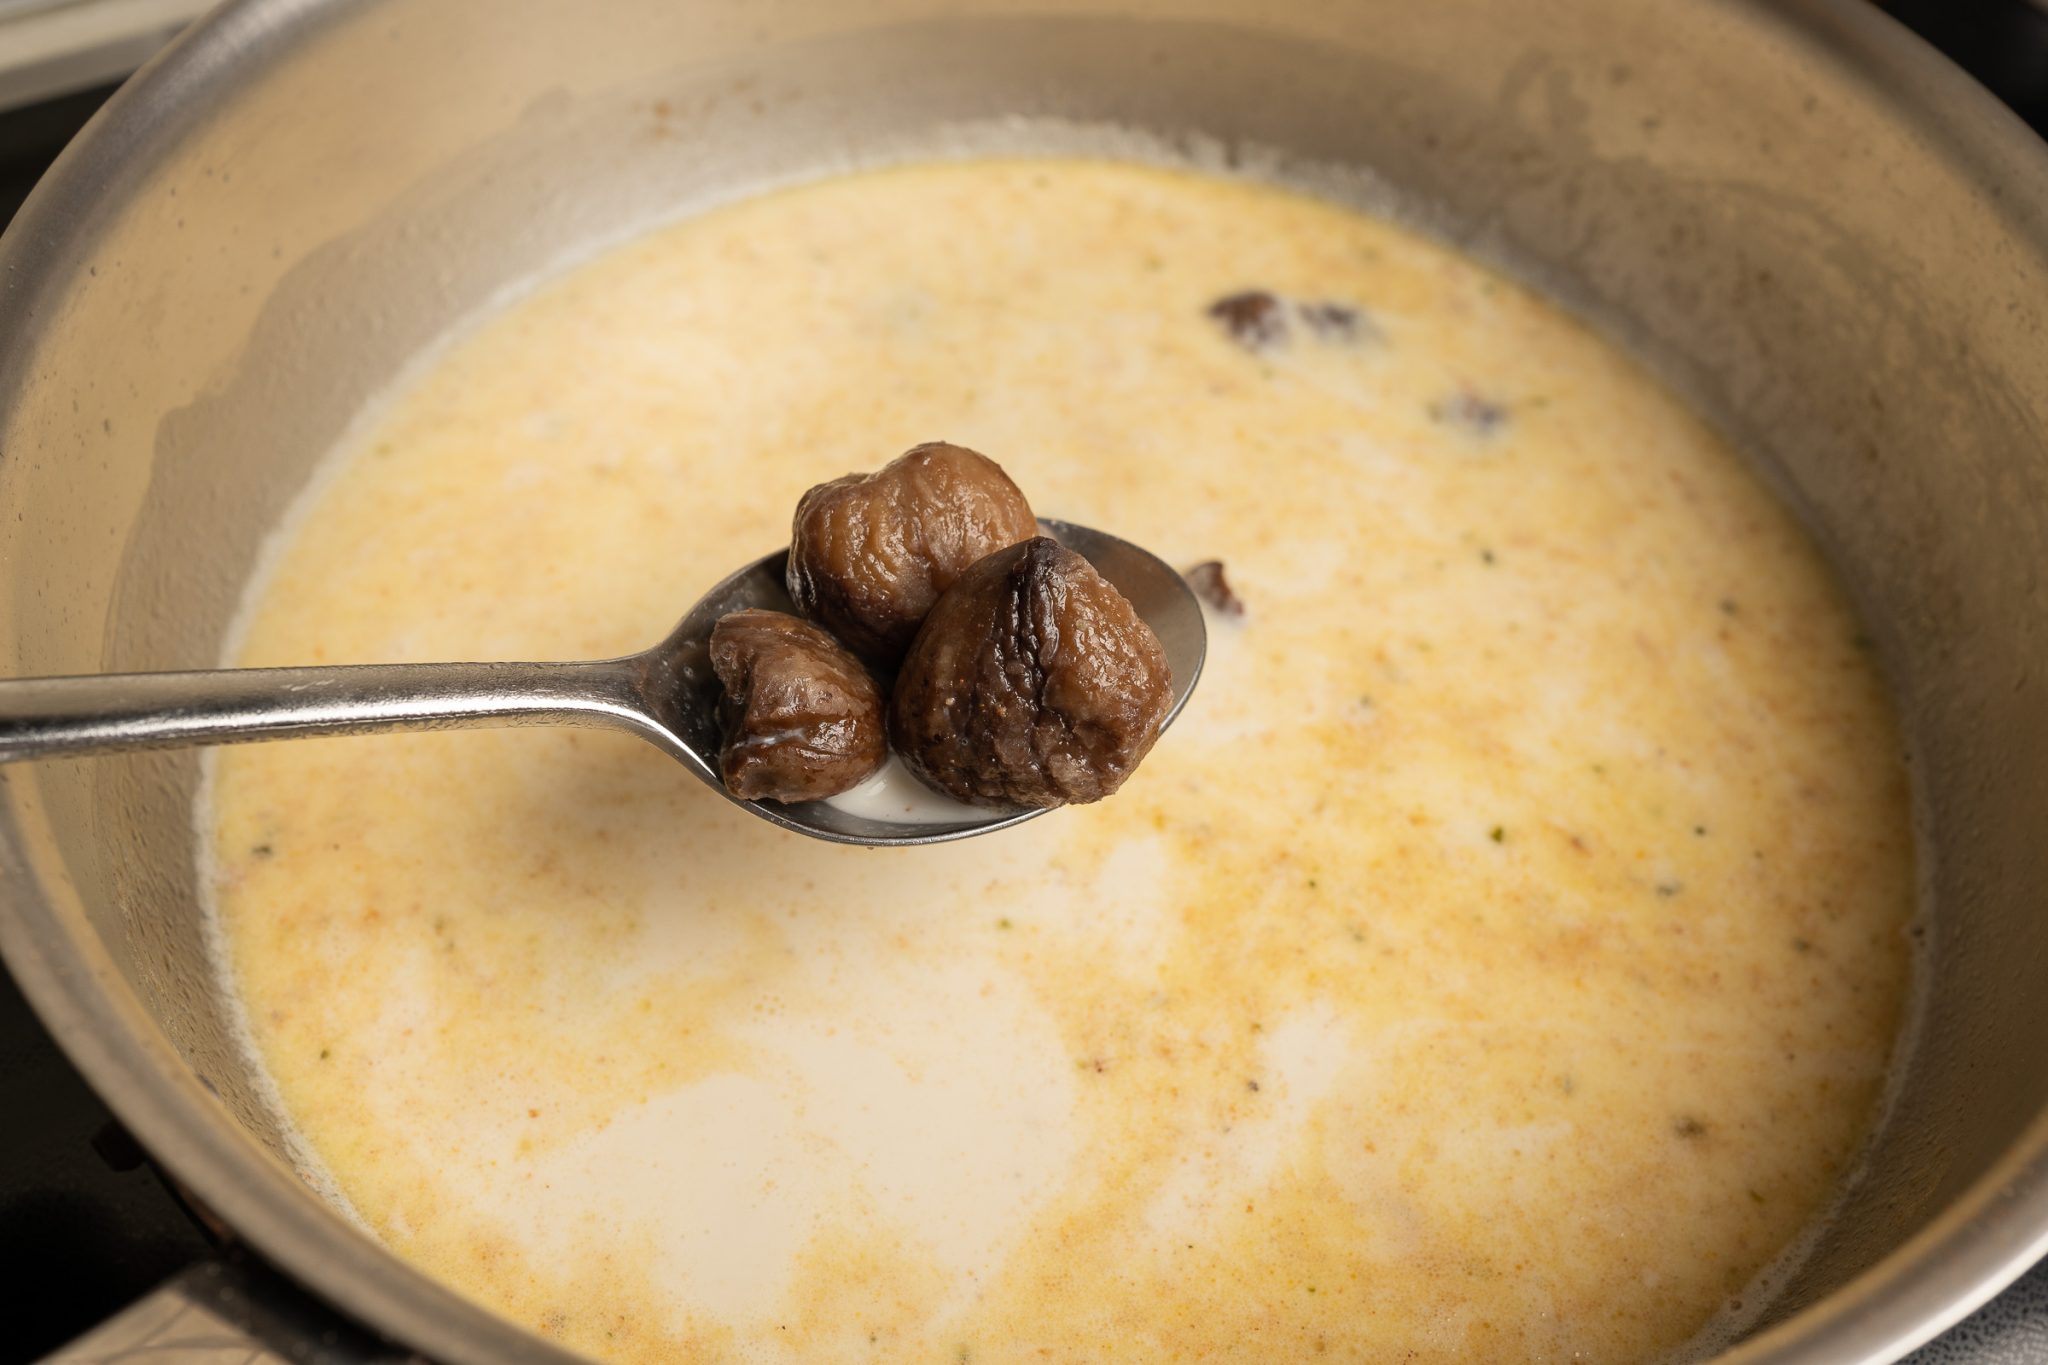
(229, 1312)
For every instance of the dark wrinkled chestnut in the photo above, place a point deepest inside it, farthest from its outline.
(1033, 683)
(802, 718)
(870, 554)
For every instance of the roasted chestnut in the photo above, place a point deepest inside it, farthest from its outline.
(1032, 683)
(802, 718)
(870, 554)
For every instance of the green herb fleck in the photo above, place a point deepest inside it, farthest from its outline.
(1003, 923)
(1498, 834)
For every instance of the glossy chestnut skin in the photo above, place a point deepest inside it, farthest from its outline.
(1033, 683)
(802, 717)
(870, 554)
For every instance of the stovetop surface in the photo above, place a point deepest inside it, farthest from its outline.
(86, 1226)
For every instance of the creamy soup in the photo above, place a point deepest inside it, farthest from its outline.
(1500, 960)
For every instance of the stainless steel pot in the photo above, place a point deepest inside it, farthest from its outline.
(1813, 226)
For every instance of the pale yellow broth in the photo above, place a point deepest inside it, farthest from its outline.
(1499, 961)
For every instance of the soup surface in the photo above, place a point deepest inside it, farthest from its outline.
(1500, 960)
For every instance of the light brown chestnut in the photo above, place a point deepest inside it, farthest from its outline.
(870, 554)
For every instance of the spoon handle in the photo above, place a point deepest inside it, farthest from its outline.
(47, 717)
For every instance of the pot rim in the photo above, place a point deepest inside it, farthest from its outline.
(1963, 1258)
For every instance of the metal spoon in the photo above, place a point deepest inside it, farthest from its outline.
(667, 695)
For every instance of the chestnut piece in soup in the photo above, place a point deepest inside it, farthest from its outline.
(1212, 585)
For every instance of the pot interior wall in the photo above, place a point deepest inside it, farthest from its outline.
(1820, 273)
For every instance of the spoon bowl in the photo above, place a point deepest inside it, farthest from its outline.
(667, 695)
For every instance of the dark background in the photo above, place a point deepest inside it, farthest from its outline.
(85, 1225)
